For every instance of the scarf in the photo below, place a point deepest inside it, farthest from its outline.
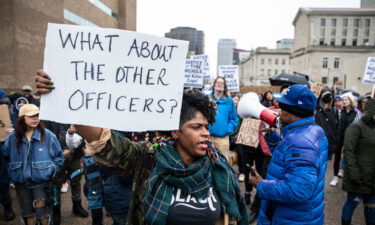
(195, 179)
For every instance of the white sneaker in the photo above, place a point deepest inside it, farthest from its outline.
(341, 173)
(241, 177)
(334, 181)
(64, 187)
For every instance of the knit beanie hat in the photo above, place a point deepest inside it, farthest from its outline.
(302, 113)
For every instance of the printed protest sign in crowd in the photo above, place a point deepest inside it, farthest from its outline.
(108, 78)
(193, 74)
(205, 65)
(369, 76)
(230, 73)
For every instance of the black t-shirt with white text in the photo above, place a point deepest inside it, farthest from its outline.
(187, 210)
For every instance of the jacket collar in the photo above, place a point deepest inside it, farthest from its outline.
(298, 123)
(36, 135)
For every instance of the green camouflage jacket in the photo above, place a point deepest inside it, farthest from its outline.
(136, 160)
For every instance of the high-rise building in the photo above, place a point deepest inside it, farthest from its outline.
(367, 3)
(262, 64)
(225, 51)
(194, 36)
(331, 45)
(285, 43)
(24, 24)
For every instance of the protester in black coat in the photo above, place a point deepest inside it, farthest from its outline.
(325, 117)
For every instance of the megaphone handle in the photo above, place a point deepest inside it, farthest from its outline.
(269, 117)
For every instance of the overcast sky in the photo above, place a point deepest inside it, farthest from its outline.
(253, 23)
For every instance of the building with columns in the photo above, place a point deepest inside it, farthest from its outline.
(262, 64)
(331, 45)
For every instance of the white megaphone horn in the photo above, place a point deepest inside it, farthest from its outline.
(249, 106)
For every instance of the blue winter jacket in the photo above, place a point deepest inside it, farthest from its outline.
(226, 118)
(293, 192)
(34, 163)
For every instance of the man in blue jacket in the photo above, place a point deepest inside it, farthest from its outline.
(293, 191)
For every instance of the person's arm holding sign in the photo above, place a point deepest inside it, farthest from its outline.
(45, 85)
(110, 150)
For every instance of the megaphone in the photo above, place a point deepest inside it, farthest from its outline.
(249, 106)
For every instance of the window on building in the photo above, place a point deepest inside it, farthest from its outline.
(262, 72)
(269, 72)
(282, 71)
(322, 32)
(335, 79)
(74, 18)
(269, 61)
(367, 32)
(345, 22)
(356, 23)
(344, 32)
(333, 32)
(367, 22)
(322, 22)
(276, 72)
(276, 61)
(321, 41)
(333, 22)
(283, 61)
(262, 61)
(343, 42)
(354, 43)
(336, 63)
(332, 41)
(103, 7)
(325, 62)
(324, 80)
(355, 32)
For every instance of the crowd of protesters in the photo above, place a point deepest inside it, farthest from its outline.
(144, 178)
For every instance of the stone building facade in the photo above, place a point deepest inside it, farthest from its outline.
(23, 25)
(331, 45)
(262, 64)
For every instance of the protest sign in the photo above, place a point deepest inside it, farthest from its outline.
(316, 88)
(113, 79)
(230, 73)
(249, 132)
(4, 122)
(206, 65)
(193, 74)
(369, 76)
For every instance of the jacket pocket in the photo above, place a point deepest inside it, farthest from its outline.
(15, 172)
(42, 171)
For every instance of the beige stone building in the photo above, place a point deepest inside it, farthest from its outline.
(262, 64)
(23, 25)
(331, 45)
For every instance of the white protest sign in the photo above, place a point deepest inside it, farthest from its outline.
(206, 65)
(230, 73)
(113, 79)
(193, 74)
(369, 76)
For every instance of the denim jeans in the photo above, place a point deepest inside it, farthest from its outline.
(352, 202)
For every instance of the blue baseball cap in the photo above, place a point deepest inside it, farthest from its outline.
(298, 95)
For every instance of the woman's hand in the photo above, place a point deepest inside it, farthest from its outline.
(43, 82)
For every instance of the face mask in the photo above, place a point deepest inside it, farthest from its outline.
(326, 98)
